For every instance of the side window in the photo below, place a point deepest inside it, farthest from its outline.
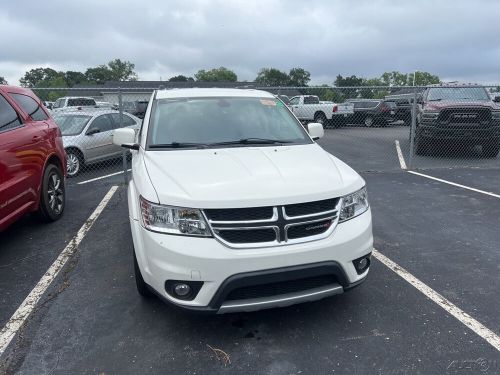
(8, 116)
(294, 101)
(127, 121)
(103, 123)
(30, 106)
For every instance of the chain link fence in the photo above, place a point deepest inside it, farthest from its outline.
(87, 118)
(375, 128)
(383, 128)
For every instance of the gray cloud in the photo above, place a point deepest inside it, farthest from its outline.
(455, 39)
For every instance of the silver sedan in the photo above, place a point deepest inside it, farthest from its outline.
(88, 135)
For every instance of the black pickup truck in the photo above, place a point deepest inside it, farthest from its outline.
(464, 115)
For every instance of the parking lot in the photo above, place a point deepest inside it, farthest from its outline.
(439, 227)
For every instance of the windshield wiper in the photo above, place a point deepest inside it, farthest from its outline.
(178, 145)
(436, 100)
(252, 141)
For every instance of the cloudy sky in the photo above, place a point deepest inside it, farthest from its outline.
(458, 40)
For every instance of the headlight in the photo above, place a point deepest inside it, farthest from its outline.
(495, 115)
(173, 220)
(354, 204)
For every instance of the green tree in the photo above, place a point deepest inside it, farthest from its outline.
(180, 78)
(3, 81)
(122, 70)
(73, 78)
(373, 93)
(298, 77)
(348, 81)
(329, 94)
(423, 78)
(98, 74)
(58, 83)
(395, 79)
(116, 70)
(272, 77)
(220, 74)
(34, 77)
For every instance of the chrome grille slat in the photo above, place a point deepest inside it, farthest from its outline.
(280, 222)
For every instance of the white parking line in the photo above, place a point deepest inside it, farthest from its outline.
(29, 304)
(491, 337)
(401, 158)
(101, 177)
(455, 184)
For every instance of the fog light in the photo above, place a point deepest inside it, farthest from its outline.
(362, 264)
(182, 290)
(186, 290)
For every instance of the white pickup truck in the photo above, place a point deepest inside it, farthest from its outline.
(309, 108)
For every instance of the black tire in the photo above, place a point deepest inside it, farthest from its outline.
(142, 287)
(491, 149)
(320, 118)
(369, 121)
(74, 162)
(52, 194)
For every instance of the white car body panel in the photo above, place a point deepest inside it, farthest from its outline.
(237, 177)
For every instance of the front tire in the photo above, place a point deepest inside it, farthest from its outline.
(52, 194)
(320, 118)
(491, 149)
(74, 163)
(369, 121)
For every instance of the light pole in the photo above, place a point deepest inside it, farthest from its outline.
(414, 74)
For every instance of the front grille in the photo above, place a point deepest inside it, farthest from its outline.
(279, 288)
(308, 229)
(240, 214)
(248, 236)
(308, 208)
(464, 116)
(250, 227)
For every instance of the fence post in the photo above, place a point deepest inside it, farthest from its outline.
(412, 128)
(124, 152)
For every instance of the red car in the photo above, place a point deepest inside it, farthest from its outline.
(32, 158)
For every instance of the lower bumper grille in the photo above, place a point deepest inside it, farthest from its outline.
(279, 288)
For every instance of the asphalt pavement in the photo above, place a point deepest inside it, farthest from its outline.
(92, 321)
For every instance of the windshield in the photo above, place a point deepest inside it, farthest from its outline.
(71, 124)
(457, 93)
(210, 121)
(77, 102)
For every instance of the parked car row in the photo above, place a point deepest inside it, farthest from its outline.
(88, 135)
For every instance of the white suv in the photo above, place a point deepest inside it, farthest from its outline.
(234, 207)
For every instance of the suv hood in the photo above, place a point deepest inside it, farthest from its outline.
(248, 176)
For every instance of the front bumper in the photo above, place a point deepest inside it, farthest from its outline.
(462, 132)
(163, 257)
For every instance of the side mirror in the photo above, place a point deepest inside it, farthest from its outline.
(92, 131)
(496, 99)
(125, 137)
(315, 130)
